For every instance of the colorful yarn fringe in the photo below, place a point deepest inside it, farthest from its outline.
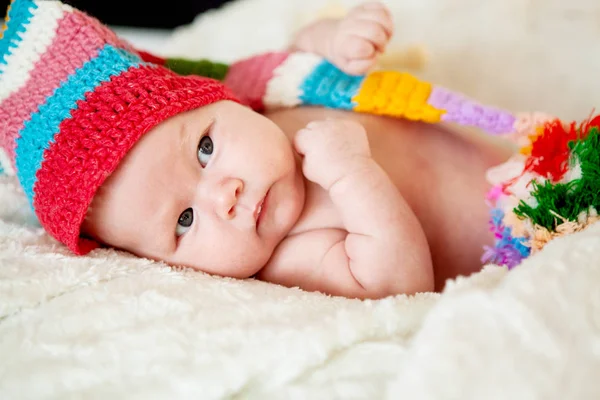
(550, 189)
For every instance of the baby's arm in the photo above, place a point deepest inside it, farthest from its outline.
(383, 250)
(351, 43)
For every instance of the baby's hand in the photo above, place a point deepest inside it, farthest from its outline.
(331, 148)
(360, 36)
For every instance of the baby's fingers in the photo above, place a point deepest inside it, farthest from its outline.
(369, 31)
(354, 47)
(314, 136)
(359, 67)
(375, 12)
(303, 140)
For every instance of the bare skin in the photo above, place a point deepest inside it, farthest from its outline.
(347, 204)
(440, 172)
(437, 208)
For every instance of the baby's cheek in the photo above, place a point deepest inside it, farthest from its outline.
(230, 256)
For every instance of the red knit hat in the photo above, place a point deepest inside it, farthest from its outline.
(74, 99)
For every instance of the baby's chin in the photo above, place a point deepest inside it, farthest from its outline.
(236, 270)
(240, 262)
(250, 267)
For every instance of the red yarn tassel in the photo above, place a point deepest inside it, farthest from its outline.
(593, 122)
(550, 151)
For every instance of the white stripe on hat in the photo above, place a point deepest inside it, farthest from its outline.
(39, 34)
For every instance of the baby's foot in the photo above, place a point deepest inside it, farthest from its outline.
(360, 37)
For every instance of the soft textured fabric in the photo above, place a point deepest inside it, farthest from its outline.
(110, 325)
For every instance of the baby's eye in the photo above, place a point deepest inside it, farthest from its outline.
(205, 150)
(184, 222)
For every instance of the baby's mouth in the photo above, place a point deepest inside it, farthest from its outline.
(260, 208)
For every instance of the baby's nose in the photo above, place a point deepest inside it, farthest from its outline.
(226, 196)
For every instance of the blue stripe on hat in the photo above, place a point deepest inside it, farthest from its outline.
(19, 15)
(328, 86)
(38, 132)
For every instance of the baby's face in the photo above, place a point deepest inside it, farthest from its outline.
(216, 189)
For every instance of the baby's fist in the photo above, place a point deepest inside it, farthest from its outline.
(360, 36)
(331, 149)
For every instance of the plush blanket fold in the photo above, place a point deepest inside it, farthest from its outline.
(114, 326)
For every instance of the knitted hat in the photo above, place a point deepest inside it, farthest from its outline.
(74, 99)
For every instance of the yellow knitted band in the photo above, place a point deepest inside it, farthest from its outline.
(396, 94)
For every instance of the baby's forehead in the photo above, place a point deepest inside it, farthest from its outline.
(150, 168)
(129, 214)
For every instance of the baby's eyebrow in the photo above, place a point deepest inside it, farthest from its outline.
(185, 137)
(162, 226)
(189, 135)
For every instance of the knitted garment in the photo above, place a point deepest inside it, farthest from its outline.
(77, 98)
(549, 189)
(283, 79)
(74, 99)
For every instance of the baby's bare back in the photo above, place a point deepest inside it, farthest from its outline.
(439, 171)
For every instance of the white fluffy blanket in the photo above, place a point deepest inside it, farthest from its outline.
(112, 326)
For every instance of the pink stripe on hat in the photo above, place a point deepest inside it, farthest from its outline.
(79, 36)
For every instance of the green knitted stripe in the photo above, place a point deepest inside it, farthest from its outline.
(205, 68)
(568, 199)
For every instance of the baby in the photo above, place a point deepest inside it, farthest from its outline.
(174, 169)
